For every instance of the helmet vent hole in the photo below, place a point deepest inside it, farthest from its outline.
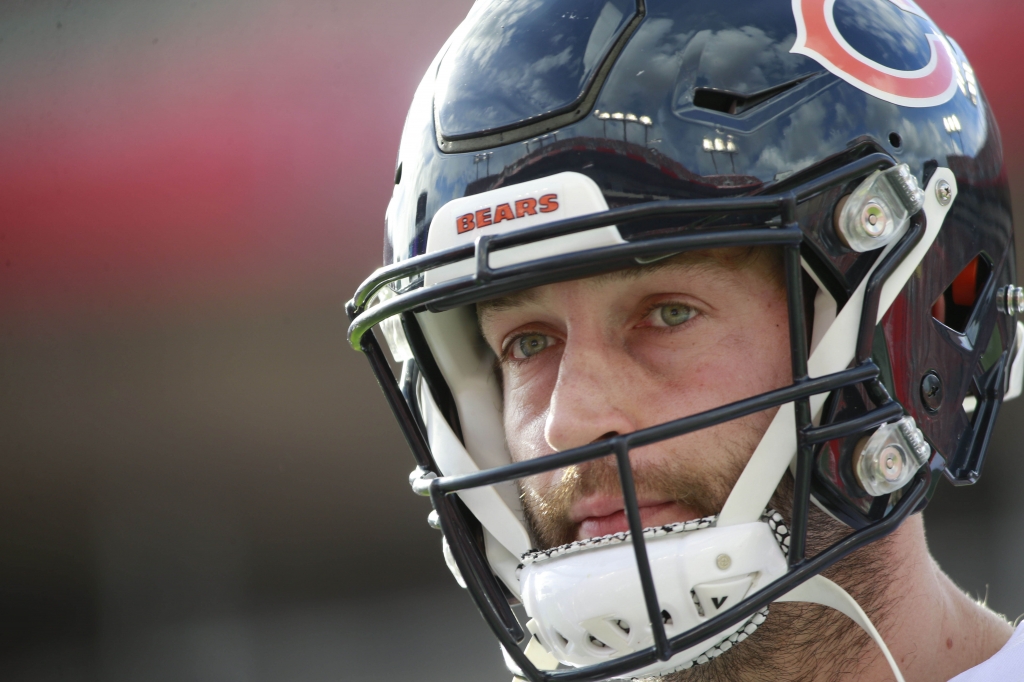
(957, 303)
(421, 208)
(666, 618)
(895, 140)
(596, 642)
(696, 602)
(561, 640)
(398, 174)
(622, 625)
(736, 103)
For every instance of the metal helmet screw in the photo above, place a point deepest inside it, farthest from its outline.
(892, 463)
(943, 192)
(874, 219)
(931, 391)
(1010, 299)
(419, 479)
(889, 458)
(879, 210)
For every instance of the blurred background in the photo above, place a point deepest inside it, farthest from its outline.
(198, 480)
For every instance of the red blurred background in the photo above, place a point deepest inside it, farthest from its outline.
(188, 193)
(156, 154)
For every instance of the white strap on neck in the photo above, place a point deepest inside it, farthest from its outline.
(821, 590)
(816, 590)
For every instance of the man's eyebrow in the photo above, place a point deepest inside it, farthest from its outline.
(504, 303)
(637, 271)
(520, 298)
(682, 261)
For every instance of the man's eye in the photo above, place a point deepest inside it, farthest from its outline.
(671, 315)
(529, 345)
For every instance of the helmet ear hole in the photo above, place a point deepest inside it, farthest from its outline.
(964, 289)
(957, 303)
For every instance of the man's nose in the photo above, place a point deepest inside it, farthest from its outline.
(592, 398)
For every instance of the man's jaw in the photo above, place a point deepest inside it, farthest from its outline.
(595, 516)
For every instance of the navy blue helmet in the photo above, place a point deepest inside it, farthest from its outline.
(555, 139)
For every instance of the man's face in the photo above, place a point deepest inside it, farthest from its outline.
(588, 359)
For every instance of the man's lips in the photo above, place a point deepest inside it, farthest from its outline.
(604, 516)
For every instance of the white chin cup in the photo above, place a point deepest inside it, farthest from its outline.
(587, 603)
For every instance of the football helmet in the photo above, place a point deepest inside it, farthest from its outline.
(556, 139)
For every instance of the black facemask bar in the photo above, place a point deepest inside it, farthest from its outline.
(488, 282)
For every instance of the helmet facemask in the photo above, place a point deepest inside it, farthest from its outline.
(450, 407)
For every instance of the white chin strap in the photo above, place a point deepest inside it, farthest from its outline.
(581, 616)
(817, 590)
(587, 606)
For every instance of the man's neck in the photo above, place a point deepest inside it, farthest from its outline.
(936, 631)
(933, 630)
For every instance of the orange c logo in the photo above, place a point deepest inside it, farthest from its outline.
(819, 38)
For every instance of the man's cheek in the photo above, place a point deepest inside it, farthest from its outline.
(524, 428)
